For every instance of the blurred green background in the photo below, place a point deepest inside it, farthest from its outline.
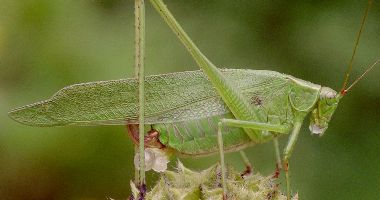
(46, 45)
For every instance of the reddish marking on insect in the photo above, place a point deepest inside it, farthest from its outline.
(247, 172)
(133, 132)
(286, 166)
(150, 140)
(343, 92)
(276, 173)
(256, 100)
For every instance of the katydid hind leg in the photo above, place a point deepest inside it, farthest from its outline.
(234, 100)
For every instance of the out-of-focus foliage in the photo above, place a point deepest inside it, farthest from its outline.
(46, 45)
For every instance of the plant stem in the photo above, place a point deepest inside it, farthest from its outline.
(139, 71)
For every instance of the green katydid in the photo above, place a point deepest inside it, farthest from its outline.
(186, 110)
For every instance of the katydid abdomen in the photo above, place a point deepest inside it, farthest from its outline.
(199, 137)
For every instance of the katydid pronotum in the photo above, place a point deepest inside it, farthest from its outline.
(190, 113)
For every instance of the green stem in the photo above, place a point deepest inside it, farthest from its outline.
(139, 70)
(137, 173)
(221, 153)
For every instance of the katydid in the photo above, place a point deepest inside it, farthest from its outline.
(196, 113)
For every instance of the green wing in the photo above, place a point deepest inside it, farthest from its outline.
(170, 98)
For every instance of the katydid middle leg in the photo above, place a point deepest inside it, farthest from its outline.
(248, 166)
(289, 149)
(278, 157)
(264, 127)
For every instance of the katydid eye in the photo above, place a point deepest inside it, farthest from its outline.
(331, 102)
(328, 102)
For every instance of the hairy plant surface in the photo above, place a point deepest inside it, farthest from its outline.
(185, 184)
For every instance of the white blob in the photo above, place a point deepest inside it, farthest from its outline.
(155, 159)
(149, 160)
(161, 164)
(327, 93)
(161, 160)
(316, 129)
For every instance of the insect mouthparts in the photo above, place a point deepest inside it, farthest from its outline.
(317, 130)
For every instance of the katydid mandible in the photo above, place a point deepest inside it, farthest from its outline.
(185, 111)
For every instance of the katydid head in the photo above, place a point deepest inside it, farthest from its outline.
(327, 104)
(325, 108)
(329, 99)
